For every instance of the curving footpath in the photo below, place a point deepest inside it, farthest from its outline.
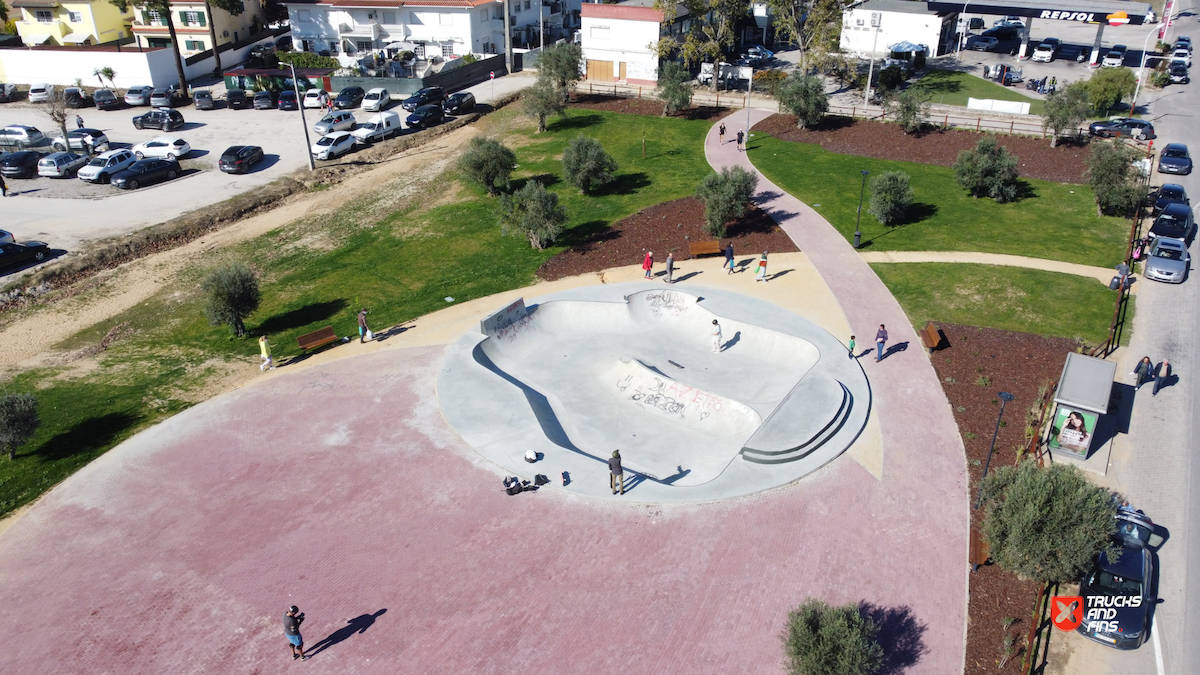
(924, 469)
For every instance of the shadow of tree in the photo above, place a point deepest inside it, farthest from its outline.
(303, 316)
(89, 435)
(546, 179)
(918, 211)
(900, 636)
(623, 184)
(575, 122)
(584, 236)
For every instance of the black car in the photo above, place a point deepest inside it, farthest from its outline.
(422, 97)
(288, 100)
(1118, 586)
(73, 97)
(457, 104)
(1175, 159)
(1175, 222)
(239, 158)
(1005, 32)
(426, 116)
(237, 99)
(164, 119)
(350, 97)
(1168, 194)
(105, 99)
(1124, 126)
(15, 254)
(1178, 73)
(264, 100)
(145, 172)
(203, 99)
(20, 164)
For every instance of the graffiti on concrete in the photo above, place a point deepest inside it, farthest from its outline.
(672, 398)
(667, 303)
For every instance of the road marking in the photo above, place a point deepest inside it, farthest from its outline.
(1158, 661)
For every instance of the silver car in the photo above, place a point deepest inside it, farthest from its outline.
(1167, 261)
(91, 140)
(138, 95)
(340, 120)
(60, 164)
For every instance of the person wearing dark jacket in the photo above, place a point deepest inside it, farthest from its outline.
(729, 256)
(880, 341)
(1162, 372)
(1144, 372)
(616, 473)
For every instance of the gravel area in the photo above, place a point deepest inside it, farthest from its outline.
(1066, 163)
(643, 106)
(73, 188)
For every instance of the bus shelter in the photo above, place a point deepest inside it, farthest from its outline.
(1084, 390)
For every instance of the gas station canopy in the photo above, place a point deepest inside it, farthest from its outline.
(1079, 11)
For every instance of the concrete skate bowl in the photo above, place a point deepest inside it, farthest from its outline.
(578, 374)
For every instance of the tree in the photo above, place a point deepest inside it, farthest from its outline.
(586, 165)
(1109, 86)
(725, 196)
(823, 640)
(891, 195)
(233, 295)
(56, 109)
(909, 107)
(768, 80)
(1114, 182)
(674, 87)
(18, 420)
(541, 101)
(814, 26)
(560, 65)
(711, 30)
(1046, 524)
(534, 213)
(161, 8)
(989, 170)
(1065, 109)
(234, 7)
(488, 163)
(890, 78)
(804, 96)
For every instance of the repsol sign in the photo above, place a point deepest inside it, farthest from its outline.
(1086, 17)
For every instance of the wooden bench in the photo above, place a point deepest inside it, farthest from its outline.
(978, 553)
(317, 338)
(931, 337)
(700, 248)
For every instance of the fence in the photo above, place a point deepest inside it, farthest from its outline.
(1038, 640)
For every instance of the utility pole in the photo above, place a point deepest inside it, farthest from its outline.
(312, 164)
(507, 39)
(871, 68)
(541, 29)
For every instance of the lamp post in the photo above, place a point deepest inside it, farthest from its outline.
(863, 191)
(962, 37)
(871, 69)
(749, 90)
(1005, 397)
(1141, 73)
(541, 29)
(312, 165)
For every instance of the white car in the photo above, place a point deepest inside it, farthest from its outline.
(163, 147)
(376, 99)
(334, 145)
(1115, 58)
(1043, 54)
(40, 93)
(1018, 21)
(316, 98)
(1184, 55)
(104, 165)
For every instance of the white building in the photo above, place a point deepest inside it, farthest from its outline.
(869, 27)
(617, 40)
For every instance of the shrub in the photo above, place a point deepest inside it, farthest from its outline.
(488, 163)
(1113, 179)
(1046, 524)
(469, 59)
(989, 170)
(307, 60)
(1065, 109)
(824, 640)
(890, 78)
(891, 195)
(910, 108)
(803, 96)
(674, 87)
(534, 213)
(768, 80)
(1109, 86)
(541, 101)
(1160, 79)
(233, 295)
(586, 165)
(18, 420)
(725, 197)
(560, 66)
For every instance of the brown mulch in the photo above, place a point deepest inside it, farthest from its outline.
(1066, 163)
(644, 106)
(663, 228)
(1019, 363)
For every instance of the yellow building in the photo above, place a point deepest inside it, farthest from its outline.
(192, 24)
(77, 22)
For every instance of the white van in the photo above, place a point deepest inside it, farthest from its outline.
(377, 99)
(378, 128)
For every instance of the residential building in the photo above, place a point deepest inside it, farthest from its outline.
(618, 40)
(192, 25)
(869, 27)
(82, 22)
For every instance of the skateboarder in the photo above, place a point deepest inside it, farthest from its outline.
(716, 336)
(615, 472)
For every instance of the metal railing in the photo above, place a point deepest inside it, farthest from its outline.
(1038, 640)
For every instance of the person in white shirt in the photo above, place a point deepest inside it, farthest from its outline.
(716, 336)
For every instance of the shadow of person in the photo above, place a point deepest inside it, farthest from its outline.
(737, 337)
(358, 624)
(898, 347)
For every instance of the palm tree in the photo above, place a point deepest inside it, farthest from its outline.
(109, 74)
(234, 7)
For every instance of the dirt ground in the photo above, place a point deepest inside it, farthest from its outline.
(642, 106)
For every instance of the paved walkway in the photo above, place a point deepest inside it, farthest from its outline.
(1103, 274)
(924, 470)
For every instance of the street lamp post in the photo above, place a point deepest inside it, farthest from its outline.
(541, 29)
(749, 90)
(1141, 73)
(871, 68)
(1005, 397)
(857, 230)
(962, 37)
(312, 165)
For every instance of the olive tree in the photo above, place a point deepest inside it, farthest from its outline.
(561, 65)
(540, 101)
(18, 421)
(891, 195)
(674, 87)
(586, 165)
(1109, 86)
(814, 26)
(488, 163)
(820, 639)
(1065, 109)
(232, 295)
(534, 213)
(56, 110)
(989, 170)
(712, 29)
(725, 196)
(909, 107)
(1114, 182)
(803, 96)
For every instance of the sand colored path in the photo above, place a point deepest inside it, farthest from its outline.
(1103, 274)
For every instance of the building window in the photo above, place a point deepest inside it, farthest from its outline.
(364, 45)
(419, 50)
(599, 33)
(152, 17)
(446, 19)
(448, 51)
(44, 16)
(389, 17)
(75, 17)
(158, 43)
(304, 15)
(192, 18)
(194, 45)
(527, 2)
(334, 47)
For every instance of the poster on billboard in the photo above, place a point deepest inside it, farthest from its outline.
(1072, 430)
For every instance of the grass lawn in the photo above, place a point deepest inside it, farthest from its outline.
(1052, 220)
(401, 258)
(1027, 301)
(953, 87)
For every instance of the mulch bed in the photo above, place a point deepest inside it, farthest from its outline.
(977, 364)
(1066, 163)
(664, 227)
(643, 106)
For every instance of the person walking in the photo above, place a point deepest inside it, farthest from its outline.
(648, 264)
(740, 138)
(1144, 372)
(78, 121)
(851, 346)
(3, 187)
(721, 132)
(1161, 373)
(729, 257)
(291, 628)
(670, 267)
(716, 337)
(264, 347)
(761, 270)
(615, 472)
(362, 326)
(880, 341)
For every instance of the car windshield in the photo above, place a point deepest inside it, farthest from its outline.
(328, 140)
(1175, 152)
(1171, 193)
(98, 162)
(372, 96)
(1169, 253)
(369, 126)
(1111, 584)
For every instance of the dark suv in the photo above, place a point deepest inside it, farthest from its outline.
(236, 99)
(164, 119)
(424, 96)
(1119, 586)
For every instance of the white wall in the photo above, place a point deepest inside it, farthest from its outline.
(922, 29)
(133, 68)
(442, 24)
(620, 40)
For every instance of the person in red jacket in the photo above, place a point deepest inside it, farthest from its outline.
(648, 264)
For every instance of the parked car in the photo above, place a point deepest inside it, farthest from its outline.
(21, 164)
(145, 172)
(1178, 73)
(334, 145)
(1115, 58)
(264, 100)
(239, 158)
(1018, 21)
(15, 254)
(1184, 42)
(1043, 53)
(287, 100)
(316, 98)
(6, 237)
(426, 116)
(105, 99)
(1052, 42)
(138, 95)
(378, 127)
(40, 93)
(164, 98)
(164, 147)
(424, 97)
(1167, 261)
(350, 97)
(1169, 193)
(376, 99)
(457, 104)
(104, 165)
(21, 136)
(1174, 159)
(73, 97)
(1124, 126)
(1183, 55)
(88, 140)
(340, 120)
(60, 164)
(284, 44)
(1004, 32)
(1175, 222)
(259, 51)
(982, 43)
(237, 99)
(163, 120)
(202, 99)
(1127, 575)
(8, 93)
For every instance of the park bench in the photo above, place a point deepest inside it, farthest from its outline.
(931, 337)
(700, 248)
(978, 553)
(317, 338)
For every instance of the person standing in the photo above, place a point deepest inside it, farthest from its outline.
(648, 264)
(850, 347)
(880, 341)
(615, 472)
(729, 257)
(721, 132)
(1144, 372)
(291, 628)
(716, 337)
(362, 325)
(740, 138)
(670, 267)
(1162, 372)
(761, 270)
(3, 187)
(264, 347)
(78, 121)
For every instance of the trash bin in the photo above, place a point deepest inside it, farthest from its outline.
(1114, 284)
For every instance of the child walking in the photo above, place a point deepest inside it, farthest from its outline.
(264, 347)
(762, 268)
(851, 346)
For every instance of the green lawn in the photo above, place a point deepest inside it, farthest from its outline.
(399, 259)
(953, 87)
(1052, 220)
(1027, 301)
